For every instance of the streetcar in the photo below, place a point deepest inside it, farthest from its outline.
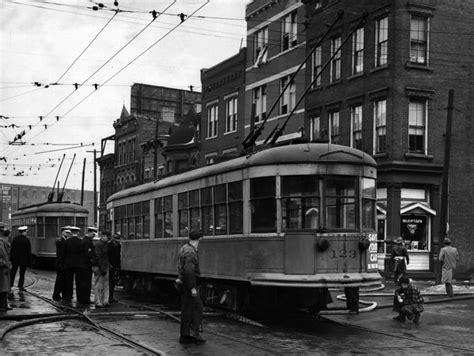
(282, 223)
(44, 222)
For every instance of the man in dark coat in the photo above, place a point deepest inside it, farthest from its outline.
(113, 251)
(59, 284)
(191, 303)
(74, 265)
(20, 256)
(4, 271)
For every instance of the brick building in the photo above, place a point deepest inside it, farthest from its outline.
(386, 93)
(16, 196)
(276, 46)
(223, 101)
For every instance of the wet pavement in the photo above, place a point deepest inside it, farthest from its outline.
(446, 327)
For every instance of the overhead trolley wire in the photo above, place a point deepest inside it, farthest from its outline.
(132, 61)
(85, 49)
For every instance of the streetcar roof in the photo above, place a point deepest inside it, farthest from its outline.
(323, 153)
(51, 207)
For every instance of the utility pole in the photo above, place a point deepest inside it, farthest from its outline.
(95, 185)
(155, 154)
(443, 216)
(83, 178)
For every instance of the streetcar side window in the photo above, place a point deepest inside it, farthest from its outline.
(183, 216)
(194, 211)
(137, 217)
(131, 221)
(168, 215)
(40, 225)
(159, 218)
(340, 202)
(220, 210)
(368, 203)
(300, 202)
(263, 204)
(206, 210)
(234, 198)
(146, 219)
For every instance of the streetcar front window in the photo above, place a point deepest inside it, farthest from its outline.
(340, 202)
(300, 202)
(368, 203)
(263, 203)
(51, 226)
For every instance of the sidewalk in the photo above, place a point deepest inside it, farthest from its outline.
(445, 321)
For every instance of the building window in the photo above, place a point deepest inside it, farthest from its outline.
(212, 112)
(231, 114)
(356, 123)
(335, 66)
(314, 128)
(417, 126)
(260, 103)
(380, 120)
(210, 159)
(261, 46)
(381, 41)
(419, 39)
(288, 99)
(358, 51)
(334, 127)
(288, 31)
(316, 68)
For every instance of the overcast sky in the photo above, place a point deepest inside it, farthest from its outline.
(40, 40)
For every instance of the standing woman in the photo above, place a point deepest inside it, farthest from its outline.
(20, 256)
(4, 272)
(400, 258)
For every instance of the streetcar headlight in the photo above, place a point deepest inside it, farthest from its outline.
(322, 244)
(364, 244)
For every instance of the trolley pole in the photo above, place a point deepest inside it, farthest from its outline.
(444, 208)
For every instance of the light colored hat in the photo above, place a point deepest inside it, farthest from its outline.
(23, 228)
(92, 229)
(74, 229)
(67, 227)
(398, 240)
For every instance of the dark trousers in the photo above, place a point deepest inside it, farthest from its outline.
(59, 284)
(21, 281)
(352, 298)
(77, 275)
(449, 289)
(3, 300)
(84, 292)
(191, 313)
(112, 271)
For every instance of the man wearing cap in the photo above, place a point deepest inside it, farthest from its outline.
(59, 284)
(408, 301)
(20, 256)
(399, 255)
(448, 256)
(101, 271)
(113, 250)
(191, 303)
(74, 265)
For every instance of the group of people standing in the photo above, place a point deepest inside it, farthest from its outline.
(86, 262)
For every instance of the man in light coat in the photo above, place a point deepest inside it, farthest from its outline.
(448, 256)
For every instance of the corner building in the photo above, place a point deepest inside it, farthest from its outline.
(386, 93)
(276, 46)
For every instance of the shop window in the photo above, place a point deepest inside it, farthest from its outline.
(414, 231)
(263, 203)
